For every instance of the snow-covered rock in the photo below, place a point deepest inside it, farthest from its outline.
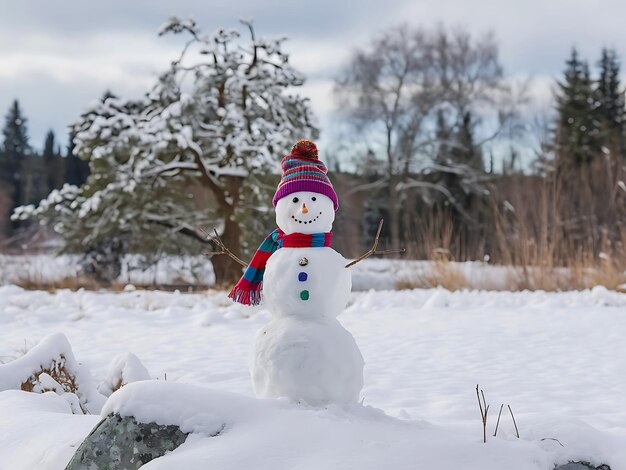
(190, 408)
(581, 466)
(51, 366)
(123, 443)
(125, 368)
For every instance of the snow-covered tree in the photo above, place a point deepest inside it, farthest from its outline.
(195, 152)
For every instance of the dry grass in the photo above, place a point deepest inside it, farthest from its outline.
(73, 283)
(552, 249)
(443, 274)
(563, 232)
(58, 371)
(576, 277)
(64, 377)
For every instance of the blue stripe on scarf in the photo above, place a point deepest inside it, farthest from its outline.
(251, 273)
(317, 239)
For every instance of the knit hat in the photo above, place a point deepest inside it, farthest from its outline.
(303, 171)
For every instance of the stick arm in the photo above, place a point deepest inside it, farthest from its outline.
(374, 250)
(223, 249)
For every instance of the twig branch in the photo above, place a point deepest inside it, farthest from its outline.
(224, 250)
(516, 430)
(484, 409)
(374, 250)
(498, 422)
(188, 231)
(551, 439)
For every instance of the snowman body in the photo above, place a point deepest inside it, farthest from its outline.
(306, 283)
(304, 353)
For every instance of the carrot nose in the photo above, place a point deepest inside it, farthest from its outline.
(304, 209)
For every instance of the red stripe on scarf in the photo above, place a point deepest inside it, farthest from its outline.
(303, 240)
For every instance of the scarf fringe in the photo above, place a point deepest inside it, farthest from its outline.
(246, 296)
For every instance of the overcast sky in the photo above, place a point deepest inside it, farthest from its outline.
(58, 56)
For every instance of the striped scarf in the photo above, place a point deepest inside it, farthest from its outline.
(248, 290)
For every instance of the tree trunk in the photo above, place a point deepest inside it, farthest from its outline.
(228, 271)
(394, 210)
(394, 213)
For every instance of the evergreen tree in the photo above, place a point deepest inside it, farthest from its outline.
(445, 159)
(460, 170)
(15, 148)
(459, 161)
(76, 169)
(442, 135)
(577, 133)
(52, 164)
(611, 108)
(466, 151)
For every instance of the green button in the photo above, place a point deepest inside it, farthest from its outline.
(304, 295)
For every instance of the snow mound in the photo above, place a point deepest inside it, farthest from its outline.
(51, 366)
(39, 430)
(280, 434)
(124, 369)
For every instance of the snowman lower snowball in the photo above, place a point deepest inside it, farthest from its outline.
(304, 353)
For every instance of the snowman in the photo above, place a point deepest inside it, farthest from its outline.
(304, 353)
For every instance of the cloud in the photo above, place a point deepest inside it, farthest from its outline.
(56, 77)
(58, 56)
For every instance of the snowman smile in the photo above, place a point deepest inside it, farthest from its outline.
(306, 221)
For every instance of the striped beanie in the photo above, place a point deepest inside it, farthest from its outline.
(303, 171)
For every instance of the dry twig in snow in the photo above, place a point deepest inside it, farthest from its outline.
(484, 409)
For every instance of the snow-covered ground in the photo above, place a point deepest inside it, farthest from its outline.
(49, 269)
(373, 273)
(558, 359)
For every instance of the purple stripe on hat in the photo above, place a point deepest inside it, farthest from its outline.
(297, 185)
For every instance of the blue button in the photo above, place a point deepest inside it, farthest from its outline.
(303, 277)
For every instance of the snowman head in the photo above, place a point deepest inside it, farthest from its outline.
(305, 212)
(305, 199)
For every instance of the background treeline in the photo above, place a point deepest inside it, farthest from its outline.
(565, 205)
(435, 139)
(26, 176)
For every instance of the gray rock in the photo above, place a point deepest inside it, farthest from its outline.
(581, 466)
(121, 443)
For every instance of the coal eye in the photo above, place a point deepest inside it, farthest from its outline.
(295, 199)
(313, 198)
